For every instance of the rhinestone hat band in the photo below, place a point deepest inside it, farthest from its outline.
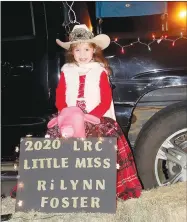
(80, 34)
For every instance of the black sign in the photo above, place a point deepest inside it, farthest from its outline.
(74, 175)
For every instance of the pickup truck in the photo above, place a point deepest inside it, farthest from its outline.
(149, 84)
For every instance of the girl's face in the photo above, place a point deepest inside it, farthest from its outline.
(83, 53)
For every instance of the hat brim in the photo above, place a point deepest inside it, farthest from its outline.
(101, 40)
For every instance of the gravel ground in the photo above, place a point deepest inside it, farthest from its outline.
(164, 204)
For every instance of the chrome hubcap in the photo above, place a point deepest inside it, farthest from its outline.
(171, 159)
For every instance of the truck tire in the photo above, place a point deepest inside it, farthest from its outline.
(161, 147)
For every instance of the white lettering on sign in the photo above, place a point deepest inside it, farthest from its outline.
(92, 162)
(45, 145)
(44, 163)
(71, 184)
(75, 202)
(87, 146)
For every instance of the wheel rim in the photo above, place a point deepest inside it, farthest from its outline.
(170, 162)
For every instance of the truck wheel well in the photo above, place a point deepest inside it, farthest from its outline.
(151, 103)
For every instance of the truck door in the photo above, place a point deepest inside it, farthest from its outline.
(24, 70)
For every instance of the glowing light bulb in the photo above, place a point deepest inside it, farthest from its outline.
(101, 139)
(47, 136)
(20, 203)
(117, 166)
(116, 39)
(122, 50)
(182, 14)
(15, 166)
(173, 44)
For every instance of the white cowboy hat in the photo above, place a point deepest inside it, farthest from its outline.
(81, 33)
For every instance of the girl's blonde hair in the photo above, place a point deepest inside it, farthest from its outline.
(97, 56)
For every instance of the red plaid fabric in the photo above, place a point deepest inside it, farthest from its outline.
(127, 184)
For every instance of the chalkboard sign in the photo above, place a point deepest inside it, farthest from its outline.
(73, 175)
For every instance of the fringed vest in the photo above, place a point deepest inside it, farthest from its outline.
(93, 72)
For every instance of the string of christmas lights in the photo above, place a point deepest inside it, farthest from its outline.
(163, 38)
(74, 21)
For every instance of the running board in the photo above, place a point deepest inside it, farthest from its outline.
(9, 176)
(9, 171)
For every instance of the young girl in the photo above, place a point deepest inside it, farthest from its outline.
(84, 83)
